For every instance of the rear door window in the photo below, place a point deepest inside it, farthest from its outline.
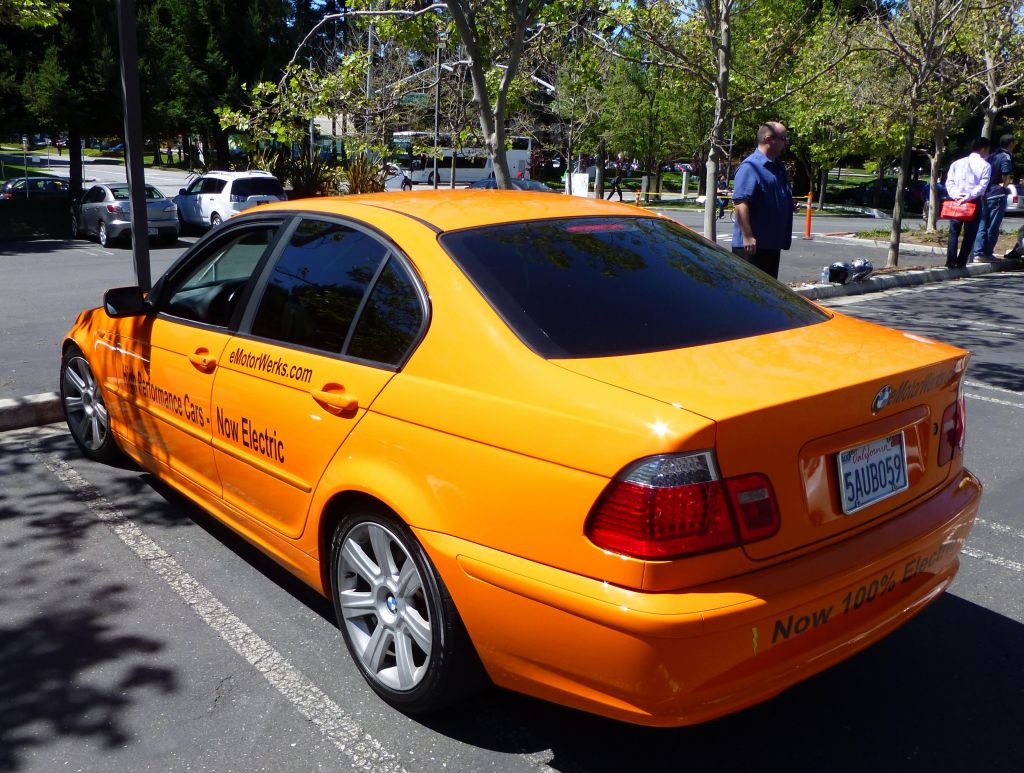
(257, 186)
(600, 287)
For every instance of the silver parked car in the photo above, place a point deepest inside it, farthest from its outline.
(105, 211)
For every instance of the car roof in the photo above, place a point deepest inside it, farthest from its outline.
(449, 210)
(237, 175)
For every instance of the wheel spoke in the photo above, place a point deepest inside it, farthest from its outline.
(73, 404)
(73, 380)
(408, 580)
(377, 648)
(404, 662)
(357, 560)
(356, 604)
(96, 430)
(380, 540)
(418, 628)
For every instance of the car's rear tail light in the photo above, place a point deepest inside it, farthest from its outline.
(952, 430)
(677, 505)
(117, 209)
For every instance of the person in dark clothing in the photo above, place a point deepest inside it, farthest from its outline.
(763, 202)
(993, 206)
(616, 185)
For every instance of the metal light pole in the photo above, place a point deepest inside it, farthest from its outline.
(133, 140)
(437, 112)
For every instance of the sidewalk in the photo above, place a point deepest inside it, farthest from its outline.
(35, 410)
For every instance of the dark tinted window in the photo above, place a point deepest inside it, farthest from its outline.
(212, 185)
(317, 285)
(391, 319)
(608, 286)
(257, 186)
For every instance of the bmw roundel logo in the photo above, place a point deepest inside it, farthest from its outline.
(881, 399)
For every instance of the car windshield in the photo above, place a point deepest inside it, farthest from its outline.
(257, 186)
(122, 193)
(600, 287)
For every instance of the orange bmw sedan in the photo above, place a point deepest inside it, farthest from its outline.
(566, 446)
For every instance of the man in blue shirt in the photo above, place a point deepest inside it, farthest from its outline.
(993, 206)
(763, 200)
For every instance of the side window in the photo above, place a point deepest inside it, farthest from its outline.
(391, 319)
(318, 285)
(210, 289)
(195, 187)
(95, 195)
(213, 185)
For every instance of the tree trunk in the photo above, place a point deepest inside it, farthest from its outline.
(893, 258)
(602, 159)
(934, 202)
(724, 36)
(822, 188)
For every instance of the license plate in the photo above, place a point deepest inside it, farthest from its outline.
(872, 472)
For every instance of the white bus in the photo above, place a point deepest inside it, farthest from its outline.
(471, 164)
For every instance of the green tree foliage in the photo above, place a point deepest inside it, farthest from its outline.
(31, 13)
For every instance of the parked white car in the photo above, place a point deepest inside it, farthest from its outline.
(213, 197)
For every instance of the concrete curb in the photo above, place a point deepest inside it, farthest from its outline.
(30, 411)
(817, 292)
(36, 410)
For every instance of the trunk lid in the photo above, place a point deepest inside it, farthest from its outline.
(788, 404)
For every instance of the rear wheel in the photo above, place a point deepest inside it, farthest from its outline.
(102, 234)
(84, 409)
(75, 229)
(215, 220)
(399, 622)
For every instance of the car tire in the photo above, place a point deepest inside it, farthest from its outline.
(84, 410)
(398, 620)
(75, 231)
(102, 235)
(215, 220)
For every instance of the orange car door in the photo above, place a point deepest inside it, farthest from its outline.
(332, 320)
(167, 361)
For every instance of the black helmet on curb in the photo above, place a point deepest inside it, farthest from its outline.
(839, 273)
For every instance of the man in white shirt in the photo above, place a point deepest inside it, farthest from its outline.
(967, 181)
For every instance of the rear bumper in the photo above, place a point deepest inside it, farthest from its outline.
(669, 659)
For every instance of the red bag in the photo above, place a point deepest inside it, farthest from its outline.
(954, 210)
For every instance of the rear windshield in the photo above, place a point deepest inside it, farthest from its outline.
(123, 193)
(601, 287)
(257, 186)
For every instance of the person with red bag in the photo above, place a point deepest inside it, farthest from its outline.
(966, 183)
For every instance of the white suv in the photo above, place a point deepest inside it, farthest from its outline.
(215, 196)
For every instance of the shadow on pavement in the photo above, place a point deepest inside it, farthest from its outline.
(943, 693)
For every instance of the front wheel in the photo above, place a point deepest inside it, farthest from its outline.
(84, 409)
(399, 622)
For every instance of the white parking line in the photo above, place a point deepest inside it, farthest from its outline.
(1002, 528)
(991, 558)
(996, 400)
(365, 752)
(983, 385)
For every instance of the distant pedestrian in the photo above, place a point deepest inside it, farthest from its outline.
(993, 206)
(616, 185)
(722, 194)
(406, 181)
(967, 181)
(763, 202)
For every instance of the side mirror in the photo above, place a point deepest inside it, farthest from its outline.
(124, 301)
(182, 192)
